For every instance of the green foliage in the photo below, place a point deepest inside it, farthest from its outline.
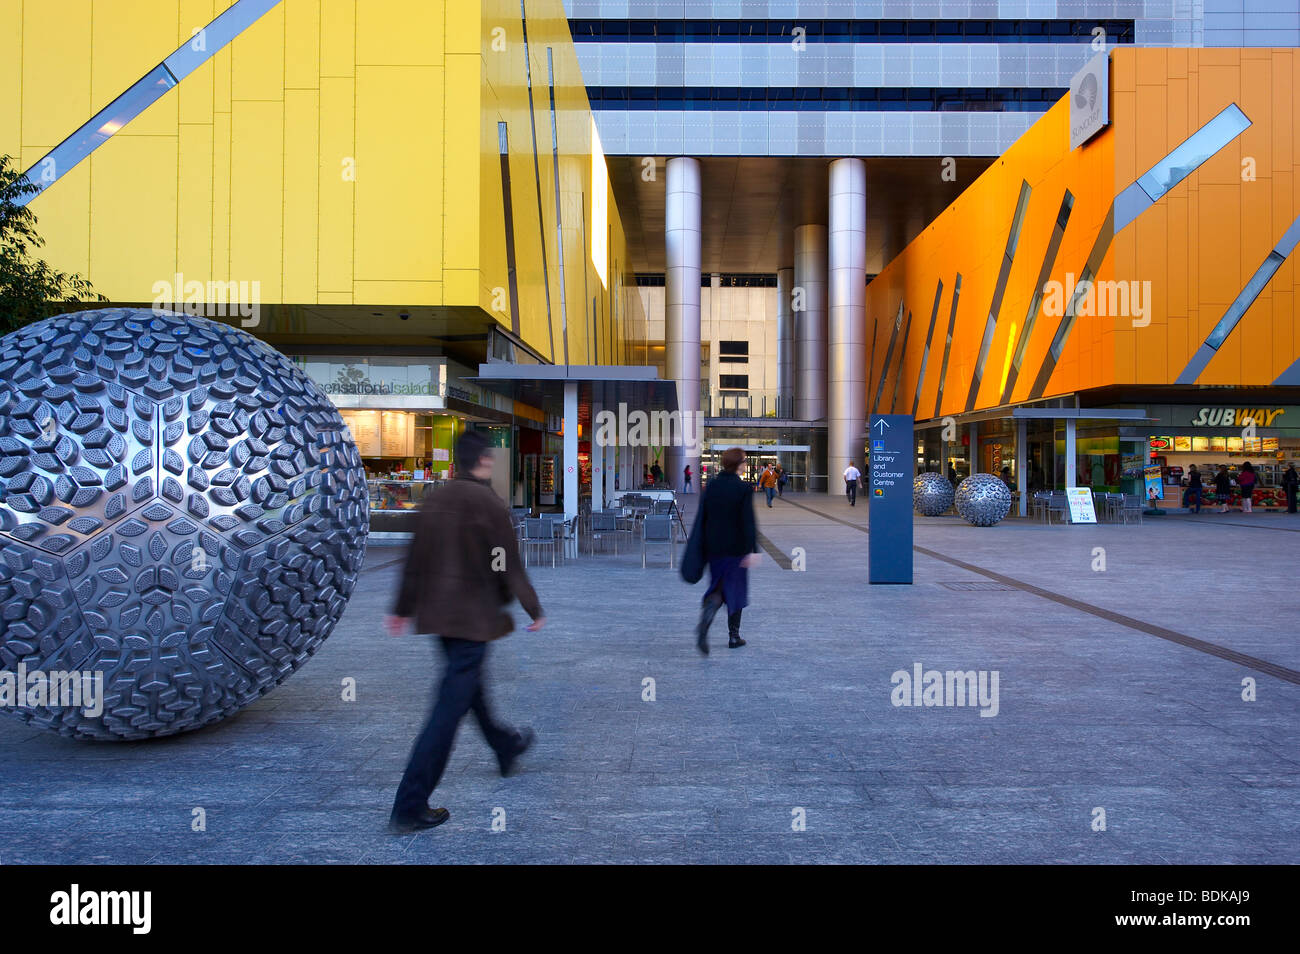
(30, 290)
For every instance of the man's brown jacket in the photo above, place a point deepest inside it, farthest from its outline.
(463, 568)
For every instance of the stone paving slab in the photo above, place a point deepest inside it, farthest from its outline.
(736, 748)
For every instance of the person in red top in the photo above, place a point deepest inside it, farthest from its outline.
(1246, 480)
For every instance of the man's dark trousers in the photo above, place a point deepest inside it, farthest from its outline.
(461, 691)
(851, 488)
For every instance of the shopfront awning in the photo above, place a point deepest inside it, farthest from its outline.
(1130, 414)
(542, 385)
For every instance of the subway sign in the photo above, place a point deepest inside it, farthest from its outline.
(1236, 416)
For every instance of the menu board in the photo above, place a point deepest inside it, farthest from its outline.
(1182, 443)
(1081, 508)
(364, 426)
(396, 432)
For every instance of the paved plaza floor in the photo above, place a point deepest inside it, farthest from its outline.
(1120, 654)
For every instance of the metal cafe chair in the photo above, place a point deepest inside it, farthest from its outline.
(538, 532)
(604, 527)
(1132, 507)
(658, 531)
(1058, 506)
(563, 532)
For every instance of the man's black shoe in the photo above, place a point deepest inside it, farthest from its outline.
(526, 739)
(429, 818)
(735, 642)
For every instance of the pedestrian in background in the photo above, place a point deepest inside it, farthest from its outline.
(1223, 488)
(767, 481)
(851, 477)
(462, 570)
(1291, 484)
(686, 479)
(725, 539)
(781, 478)
(1194, 490)
(1246, 480)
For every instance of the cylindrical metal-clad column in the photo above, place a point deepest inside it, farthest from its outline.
(809, 305)
(846, 380)
(682, 309)
(784, 343)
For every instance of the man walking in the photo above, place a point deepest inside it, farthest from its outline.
(462, 570)
(767, 481)
(851, 477)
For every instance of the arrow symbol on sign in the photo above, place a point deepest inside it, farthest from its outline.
(882, 424)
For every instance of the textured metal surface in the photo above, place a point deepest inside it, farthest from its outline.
(983, 499)
(846, 377)
(931, 494)
(183, 511)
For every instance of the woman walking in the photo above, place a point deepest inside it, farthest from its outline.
(725, 538)
(1246, 480)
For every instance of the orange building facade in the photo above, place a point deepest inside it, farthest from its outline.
(1079, 315)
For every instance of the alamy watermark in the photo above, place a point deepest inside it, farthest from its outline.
(1099, 299)
(953, 688)
(61, 689)
(639, 428)
(242, 299)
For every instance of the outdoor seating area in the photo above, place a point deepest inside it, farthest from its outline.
(634, 519)
(1052, 506)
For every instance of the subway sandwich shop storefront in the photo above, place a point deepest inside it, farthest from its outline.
(1209, 435)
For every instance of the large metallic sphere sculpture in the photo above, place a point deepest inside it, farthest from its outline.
(983, 499)
(931, 494)
(183, 514)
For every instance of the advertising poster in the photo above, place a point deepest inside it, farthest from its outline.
(1154, 485)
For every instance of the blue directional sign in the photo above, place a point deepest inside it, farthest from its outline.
(891, 469)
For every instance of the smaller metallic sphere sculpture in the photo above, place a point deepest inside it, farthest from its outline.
(932, 494)
(983, 499)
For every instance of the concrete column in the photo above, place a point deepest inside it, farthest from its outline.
(1022, 457)
(682, 301)
(785, 363)
(569, 466)
(597, 462)
(1071, 462)
(846, 382)
(810, 323)
(973, 451)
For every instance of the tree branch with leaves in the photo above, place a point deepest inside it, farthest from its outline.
(30, 290)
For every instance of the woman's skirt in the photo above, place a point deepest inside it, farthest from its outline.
(728, 577)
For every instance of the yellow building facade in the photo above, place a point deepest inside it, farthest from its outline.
(344, 155)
